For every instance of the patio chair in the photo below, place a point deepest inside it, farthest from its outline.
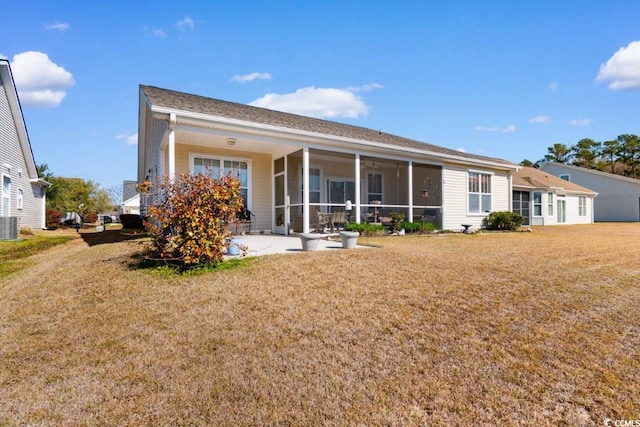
(244, 219)
(428, 215)
(322, 220)
(339, 218)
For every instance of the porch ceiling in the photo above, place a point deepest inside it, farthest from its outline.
(242, 142)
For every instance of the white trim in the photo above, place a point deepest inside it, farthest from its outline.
(483, 212)
(2, 196)
(19, 198)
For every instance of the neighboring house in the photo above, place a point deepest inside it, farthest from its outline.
(544, 199)
(291, 165)
(130, 198)
(618, 196)
(22, 192)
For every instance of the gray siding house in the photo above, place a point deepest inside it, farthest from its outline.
(618, 196)
(291, 167)
(22, 192)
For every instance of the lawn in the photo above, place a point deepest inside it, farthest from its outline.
(538, 328)
(14, 252)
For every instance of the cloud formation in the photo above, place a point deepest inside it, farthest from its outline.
(250, 77)
(580, 122)
(364, 88)
(58, 26)
(622, 70)
(316, 102)
(540, 119)
(128, 139)
(39, 81)
(154, 32)
(510, 128)
(186, 24)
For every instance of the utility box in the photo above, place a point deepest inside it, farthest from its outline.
(8, 227)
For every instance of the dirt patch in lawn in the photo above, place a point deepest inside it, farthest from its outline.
(516, 328)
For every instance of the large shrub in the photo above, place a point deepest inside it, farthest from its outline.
(190, 221)
(90, 217)
(504, 220)
(366, 229)
(53, 218)
(418, 227)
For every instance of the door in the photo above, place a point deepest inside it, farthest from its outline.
(281, 210)
(562, 214)
(521, 205)
(340, 191)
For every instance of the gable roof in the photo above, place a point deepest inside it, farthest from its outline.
(199, 104)
(533, 178)
(602, 174)
(6, 79)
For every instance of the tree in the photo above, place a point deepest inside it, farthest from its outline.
(609, 151)
(528, 163)
(629, 154)
(77, 195)
(115, 193)
(585, 153)
(43, 171)
(558, 153)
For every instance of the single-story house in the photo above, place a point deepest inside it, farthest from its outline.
(544, 199)
(618, 196)
(130, 206)
(23, 194)
(292, 166)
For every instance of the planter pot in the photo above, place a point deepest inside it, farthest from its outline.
(234, 246)
(309, 241)
(349, 239)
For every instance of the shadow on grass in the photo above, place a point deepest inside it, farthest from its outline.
(111, 236)
(169, 267)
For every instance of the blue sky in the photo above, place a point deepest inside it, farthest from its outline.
(499, 78)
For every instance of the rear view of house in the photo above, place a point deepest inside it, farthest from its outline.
(23, 194)
(293, 167)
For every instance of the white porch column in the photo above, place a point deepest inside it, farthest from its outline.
(172, 146)
(410, 190)
(305, 193)
(357, 175)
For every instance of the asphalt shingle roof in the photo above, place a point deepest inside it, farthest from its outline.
(215, 107)
(536, 178)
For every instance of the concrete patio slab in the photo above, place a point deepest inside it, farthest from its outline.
(268, 244)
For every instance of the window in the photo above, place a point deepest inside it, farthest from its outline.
(314, 185)
(582, 206)
(20, 199)
(479, 192)
(537, 203)
(566, 177)
(374, 187)
(6, 195)
(550, 204)
(213, 166)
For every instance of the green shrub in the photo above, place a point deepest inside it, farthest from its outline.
(418, 227)
(366, 229)
(396, 220)
(190, 222)
(504, 220)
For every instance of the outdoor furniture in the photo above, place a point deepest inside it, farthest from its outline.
(322, 220)
(466, 228)
(339, 218)
(244, 220)
(428, 215)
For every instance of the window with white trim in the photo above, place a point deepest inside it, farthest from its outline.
(549, 204)
(582, 206)
(374, 187)
(479, 192)
(218, 167)
(537, 203)
(20, 199)
(6, 195)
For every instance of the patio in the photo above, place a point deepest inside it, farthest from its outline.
(269, 244)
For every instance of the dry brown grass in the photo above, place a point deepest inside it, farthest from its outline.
(537, 328)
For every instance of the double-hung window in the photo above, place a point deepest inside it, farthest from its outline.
(479, 191)
(537, 203)
(582, 206)
(549, 204)
(218, 167)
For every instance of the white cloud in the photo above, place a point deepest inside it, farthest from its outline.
(622, 70)
(154, 32)
(553, 86)
(580, 122)
(128, 139)
(186, 24)
(250, 77)
(364, 88)
(39, 81)
(316, 102)
(540, 119)
(58, 26)
(510, 128)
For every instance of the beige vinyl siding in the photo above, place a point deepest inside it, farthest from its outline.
(31, 215)
(455, 196)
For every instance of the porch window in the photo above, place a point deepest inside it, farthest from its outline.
(314, 185)
(374, 187)
(20, 199)
(582, 206)
(537, 203)
(550, 204)
(213, 166)
(479, 192)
